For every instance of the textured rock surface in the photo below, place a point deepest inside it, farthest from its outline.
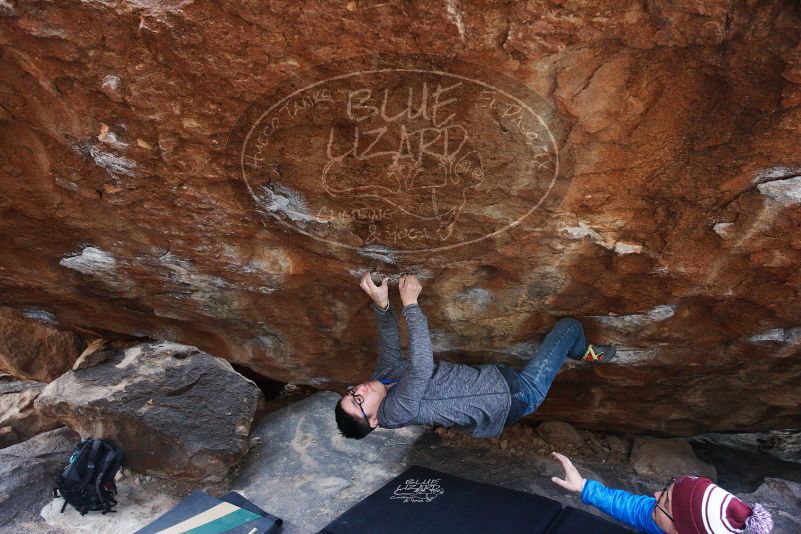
(665, 458)
(560, 435)
(781, 444)
(32, 348)
(19, 419)
(671, 229)
(174, 410)
(27, 474)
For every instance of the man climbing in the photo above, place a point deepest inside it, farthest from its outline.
(687, 505)
(479, 400)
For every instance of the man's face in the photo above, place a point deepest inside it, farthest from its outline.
(373, 392)
(664, 500)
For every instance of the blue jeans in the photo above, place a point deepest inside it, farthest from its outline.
(565, 339)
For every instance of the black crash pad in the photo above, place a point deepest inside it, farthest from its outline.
(422, 500)
(572, 521)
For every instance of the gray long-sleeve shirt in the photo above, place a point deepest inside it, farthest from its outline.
(474, 399)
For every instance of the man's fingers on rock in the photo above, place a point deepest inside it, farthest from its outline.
(560, 482)
(370, 282)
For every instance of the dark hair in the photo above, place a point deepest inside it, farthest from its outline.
(349, 425)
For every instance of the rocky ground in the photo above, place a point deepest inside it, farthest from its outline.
(300, 469)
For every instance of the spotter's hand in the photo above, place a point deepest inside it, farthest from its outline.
(379, 294)
(573, 481)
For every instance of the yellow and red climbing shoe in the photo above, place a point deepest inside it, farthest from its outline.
(599, 353)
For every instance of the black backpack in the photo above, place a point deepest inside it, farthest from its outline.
(87, 482)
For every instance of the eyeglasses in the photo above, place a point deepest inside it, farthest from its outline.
(359, 400)
(665, 493)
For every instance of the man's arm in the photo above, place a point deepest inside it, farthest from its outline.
(390, 364)
(634, 510)
(403, 402)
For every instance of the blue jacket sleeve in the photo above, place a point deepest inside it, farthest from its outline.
(402, 403)
(633, 510)
(390, 364)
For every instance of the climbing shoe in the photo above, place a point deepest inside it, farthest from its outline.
(598, 353)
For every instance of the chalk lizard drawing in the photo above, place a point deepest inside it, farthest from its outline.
(417, 173)
(414, 490)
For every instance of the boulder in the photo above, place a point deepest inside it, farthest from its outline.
(19, 419)
(662, 459)
(34, 349)
(93, 355)
(174, 410)
(649, 186)
(28, 471)
(561, 435)
(620, 445)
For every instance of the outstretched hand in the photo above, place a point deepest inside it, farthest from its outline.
(379, 294)
(573, 481)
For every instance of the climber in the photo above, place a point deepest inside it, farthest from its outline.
(687, 505)
(480, 400)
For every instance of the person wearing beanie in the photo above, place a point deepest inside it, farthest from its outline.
(687, 505)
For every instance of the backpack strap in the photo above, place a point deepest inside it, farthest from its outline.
(71, 474)
(108, 458)
(91, 464)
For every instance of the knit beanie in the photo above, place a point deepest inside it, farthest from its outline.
(701, 507)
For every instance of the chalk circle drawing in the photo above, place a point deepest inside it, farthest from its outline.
(418, 490)
(404, 153)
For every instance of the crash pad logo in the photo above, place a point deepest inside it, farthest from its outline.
(399, 153)
(418, 490)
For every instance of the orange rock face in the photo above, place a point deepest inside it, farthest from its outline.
(33, 349)
(219, 174)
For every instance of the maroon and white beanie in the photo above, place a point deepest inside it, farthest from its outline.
(701, 507)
